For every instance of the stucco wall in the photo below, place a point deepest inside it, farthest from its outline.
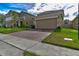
(60, 20)
(75, 24)
(49, 20)
(28, 18)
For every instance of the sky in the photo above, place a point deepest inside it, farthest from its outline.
(70, 9)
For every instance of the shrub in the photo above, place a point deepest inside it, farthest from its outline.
(27, 26)
(32, 26)
(58, 29)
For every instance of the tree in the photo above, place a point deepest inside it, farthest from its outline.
(15, 16)
(2, 19)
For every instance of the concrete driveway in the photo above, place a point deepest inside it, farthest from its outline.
(32, 35)
(15, 46)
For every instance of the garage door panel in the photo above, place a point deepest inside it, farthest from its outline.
(47, 23)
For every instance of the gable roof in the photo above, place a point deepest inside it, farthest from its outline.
(27, 13)
(46, 18)
(49, 12)
(12, 11)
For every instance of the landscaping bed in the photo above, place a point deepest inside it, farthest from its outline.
(10, 30)
(57, 38)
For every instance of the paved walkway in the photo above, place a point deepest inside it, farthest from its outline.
(8, 50)
(17, 45)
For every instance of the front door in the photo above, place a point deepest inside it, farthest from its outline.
(21, 23)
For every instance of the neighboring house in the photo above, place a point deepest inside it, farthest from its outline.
(27, 18)
(67, 23)
(15, 19)
(11, 19)
(49, 19)
(2, 17)
(75, 23)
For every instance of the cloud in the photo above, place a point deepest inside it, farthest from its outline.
(4, 12)
(67, 15)
(41, 7)
(69, 8)
(35, 9)
(75, 14)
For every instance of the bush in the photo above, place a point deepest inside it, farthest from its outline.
(24, 26)
(27, 26)
(32, 26)
(58, 29)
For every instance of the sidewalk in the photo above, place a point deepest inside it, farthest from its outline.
(38, 47)
(9, 50)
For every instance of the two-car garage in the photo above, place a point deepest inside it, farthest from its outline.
(49, 23)
(49, 19)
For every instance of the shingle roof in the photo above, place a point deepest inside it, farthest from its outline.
(46, 18)
(48, 12)
(27, 13)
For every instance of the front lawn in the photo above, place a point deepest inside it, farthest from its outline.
(10, 30)
(57, 38)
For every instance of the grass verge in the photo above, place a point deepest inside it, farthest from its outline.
(10, 30)
(57, 38)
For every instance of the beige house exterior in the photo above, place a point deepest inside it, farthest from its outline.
(75, 23)
(44, 20)
(49, 19)
(28, 18)
(20, 19)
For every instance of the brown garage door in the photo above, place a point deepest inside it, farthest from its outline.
(47, 23)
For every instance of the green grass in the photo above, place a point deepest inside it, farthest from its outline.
(27, 53)
(10, 30)
(57, 38)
